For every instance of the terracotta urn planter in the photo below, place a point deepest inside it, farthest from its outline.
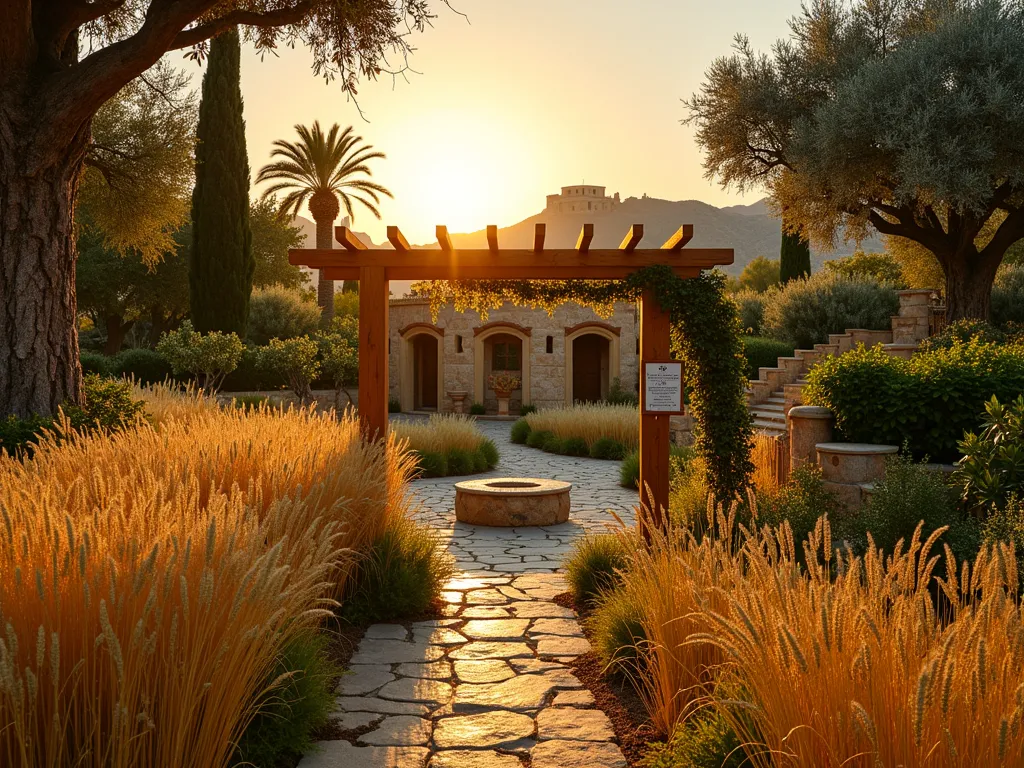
(504, 383)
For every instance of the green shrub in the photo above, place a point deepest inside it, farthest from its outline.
(804, 312)
(490, 453)
(629, 471)
(400, 577)
(339, 364)
(764, 353)
(432, 463)
(608, 448)
(1008, 297)
(617, 631)
(574, 446)
(146, 366)
(910, 493)
(209, 357)
(750, 305)
(964, 331)
(992, 468)
(294, 708)
(618, 395)
(94, 362)
(460, 462)
(294, 360)
(927, 402)
(394, 405)
(477, 409)
(703, 741)
(528, 408)
(801, 501)
(538, 439)
(479, 461)
(108, 404)
(277, 312)
(688, 495)
(1007, 525)
(553, 444)
(520, 431)
(592, 566)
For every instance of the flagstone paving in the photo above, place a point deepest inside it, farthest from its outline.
(490, 683)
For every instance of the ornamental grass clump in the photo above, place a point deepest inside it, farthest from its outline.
(590, 422)
(150, 579)
(447, 444)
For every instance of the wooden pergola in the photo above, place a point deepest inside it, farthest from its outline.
(374, 269)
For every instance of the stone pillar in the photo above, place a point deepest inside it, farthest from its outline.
(910, 326)
(808, 426)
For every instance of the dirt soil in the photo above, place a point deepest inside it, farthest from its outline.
(616, 697)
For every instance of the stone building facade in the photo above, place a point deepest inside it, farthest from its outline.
(583, 198)
(571, 356)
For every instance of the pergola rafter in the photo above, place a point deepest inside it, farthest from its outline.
(375, 268)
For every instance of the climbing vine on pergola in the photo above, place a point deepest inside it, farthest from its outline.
(706, 336)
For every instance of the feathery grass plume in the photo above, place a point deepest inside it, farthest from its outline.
(440, 433)
(890, 680)
(168, 401)
(149, 579)
(590, 422)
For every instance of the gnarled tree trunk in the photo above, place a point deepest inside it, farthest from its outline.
(39, 364)
(969, 279)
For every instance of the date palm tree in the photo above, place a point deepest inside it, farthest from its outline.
(329, 171)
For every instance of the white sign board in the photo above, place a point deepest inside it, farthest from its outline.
(663, 387)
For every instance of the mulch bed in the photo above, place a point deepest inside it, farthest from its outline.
(616, 697)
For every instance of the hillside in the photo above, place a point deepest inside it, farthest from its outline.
(749, 230)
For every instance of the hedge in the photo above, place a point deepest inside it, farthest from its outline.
(926, 402)
(764, 353)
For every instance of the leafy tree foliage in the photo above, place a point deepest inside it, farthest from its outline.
(139, 167)
(221, 264)
(272, 236)
(209, 357)
(759, 275)
(868, 266)
(901, 116)
(59, 64)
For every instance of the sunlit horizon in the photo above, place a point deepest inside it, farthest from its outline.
(517, 102)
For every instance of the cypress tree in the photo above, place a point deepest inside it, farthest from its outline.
(221, 264)
(794, 257)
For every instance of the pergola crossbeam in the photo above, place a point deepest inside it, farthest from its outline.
(632, 239)
(375, 268)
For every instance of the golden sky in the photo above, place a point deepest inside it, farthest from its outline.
(519, 99)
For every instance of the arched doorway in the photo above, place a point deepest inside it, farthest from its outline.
(590, 368)
(421, 382)
(424, 372)
(501, 346)
(592, 361)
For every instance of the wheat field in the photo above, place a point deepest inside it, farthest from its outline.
(148, 578)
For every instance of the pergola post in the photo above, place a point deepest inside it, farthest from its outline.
(374, 297)
(654, 427)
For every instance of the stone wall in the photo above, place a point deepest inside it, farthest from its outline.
(547, 385)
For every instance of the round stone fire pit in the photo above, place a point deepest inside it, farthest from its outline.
(512, 501)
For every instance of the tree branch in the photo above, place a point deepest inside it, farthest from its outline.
(1009, 232)
(907, 227)
(277, 18)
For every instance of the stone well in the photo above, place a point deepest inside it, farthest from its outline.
(512, 501)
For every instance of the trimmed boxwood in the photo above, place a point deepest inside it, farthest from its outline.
(520, 431)
(926, 402)
(457, 461)
(574, 446)
(538, 439)
(608, 448)
(94, 362)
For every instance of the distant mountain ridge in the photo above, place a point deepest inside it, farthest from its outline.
(750, 230)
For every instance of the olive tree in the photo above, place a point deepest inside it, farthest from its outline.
(60, 62)
(904, 116)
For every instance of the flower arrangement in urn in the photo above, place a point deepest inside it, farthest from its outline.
(504, 383)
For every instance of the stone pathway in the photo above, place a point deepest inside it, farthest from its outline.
(488, 686)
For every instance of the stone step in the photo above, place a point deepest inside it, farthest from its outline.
(769, 407)
(775, 419)
(769, 428)
(776, 399)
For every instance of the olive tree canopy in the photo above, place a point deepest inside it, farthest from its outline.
(901, 115)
